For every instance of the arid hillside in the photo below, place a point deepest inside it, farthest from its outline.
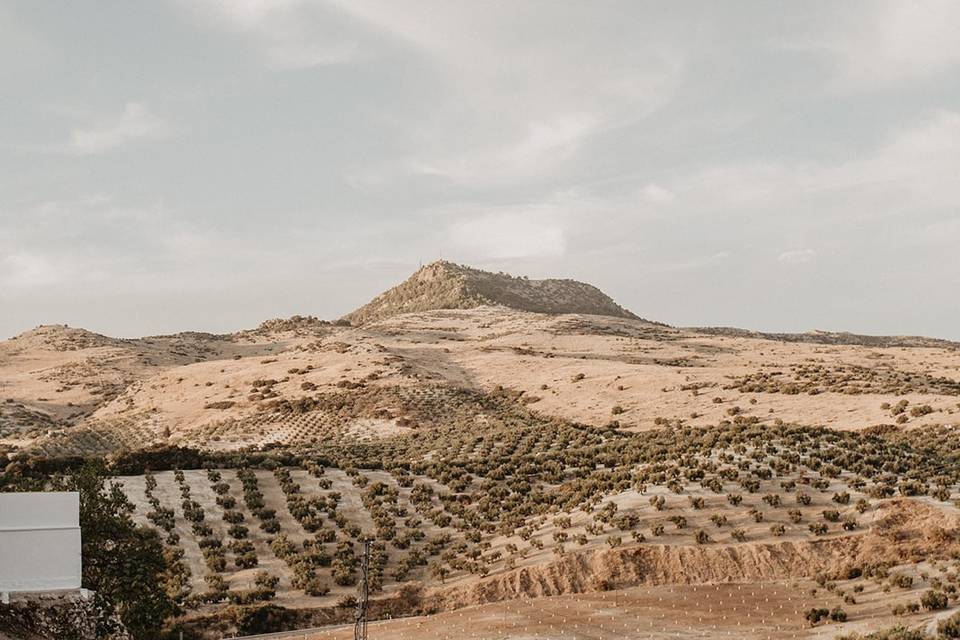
(297, 381)
(56, 377)
(624, 472)
(445, 285)
(67, 391)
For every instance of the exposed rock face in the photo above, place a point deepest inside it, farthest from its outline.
(445, 285)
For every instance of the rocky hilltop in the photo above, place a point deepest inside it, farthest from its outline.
(445, 285)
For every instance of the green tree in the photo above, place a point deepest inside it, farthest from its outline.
(932, 600)
(122, 563)
(437, 570)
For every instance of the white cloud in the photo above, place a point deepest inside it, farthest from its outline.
(917, 167)
(507, 233)
(246, 15)
(908, 39)
(510, 104)
(513, 105)
(881, 44)
(88, 240)
(291, 34)
(26, 270)
(135, 123)
(798, 256)
(544, 145)
(655, 194)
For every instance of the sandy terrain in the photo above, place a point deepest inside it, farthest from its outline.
(587, 369)
(768, 611)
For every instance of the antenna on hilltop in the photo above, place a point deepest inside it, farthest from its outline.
(360, 626)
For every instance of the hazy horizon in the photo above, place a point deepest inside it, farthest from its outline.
(210, 164)
(337, 316)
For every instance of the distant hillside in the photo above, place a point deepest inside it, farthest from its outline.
(60, 337)
(445, 285)
(832, 337)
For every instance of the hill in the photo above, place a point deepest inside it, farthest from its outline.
(636, 472)
(833, 337)
(401, 360)
(445, 285)
(301, 380)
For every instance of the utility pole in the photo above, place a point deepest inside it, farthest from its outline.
(360, 626)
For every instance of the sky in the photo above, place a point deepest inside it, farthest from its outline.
(171, 165)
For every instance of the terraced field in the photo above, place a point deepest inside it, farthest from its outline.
(458, 520)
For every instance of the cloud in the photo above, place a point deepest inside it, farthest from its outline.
(290, 34)
(103, 243)
(506, 105)
(544, 145)
(513, 232)
(799, 256)
(247, 15)
(136, 122)
(511, 105)
(655, 194)
(92, 240)
(26, 270)
(906, 40)
(916, 167)
(883, 44)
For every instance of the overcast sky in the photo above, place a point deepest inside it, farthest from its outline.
(168, 165)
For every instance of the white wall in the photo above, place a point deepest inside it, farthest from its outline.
(39, 541)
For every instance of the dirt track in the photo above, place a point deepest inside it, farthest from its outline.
(769, 611)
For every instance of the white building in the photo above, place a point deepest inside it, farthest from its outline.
(39, 542)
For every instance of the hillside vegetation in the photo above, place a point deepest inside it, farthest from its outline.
(498, 439)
